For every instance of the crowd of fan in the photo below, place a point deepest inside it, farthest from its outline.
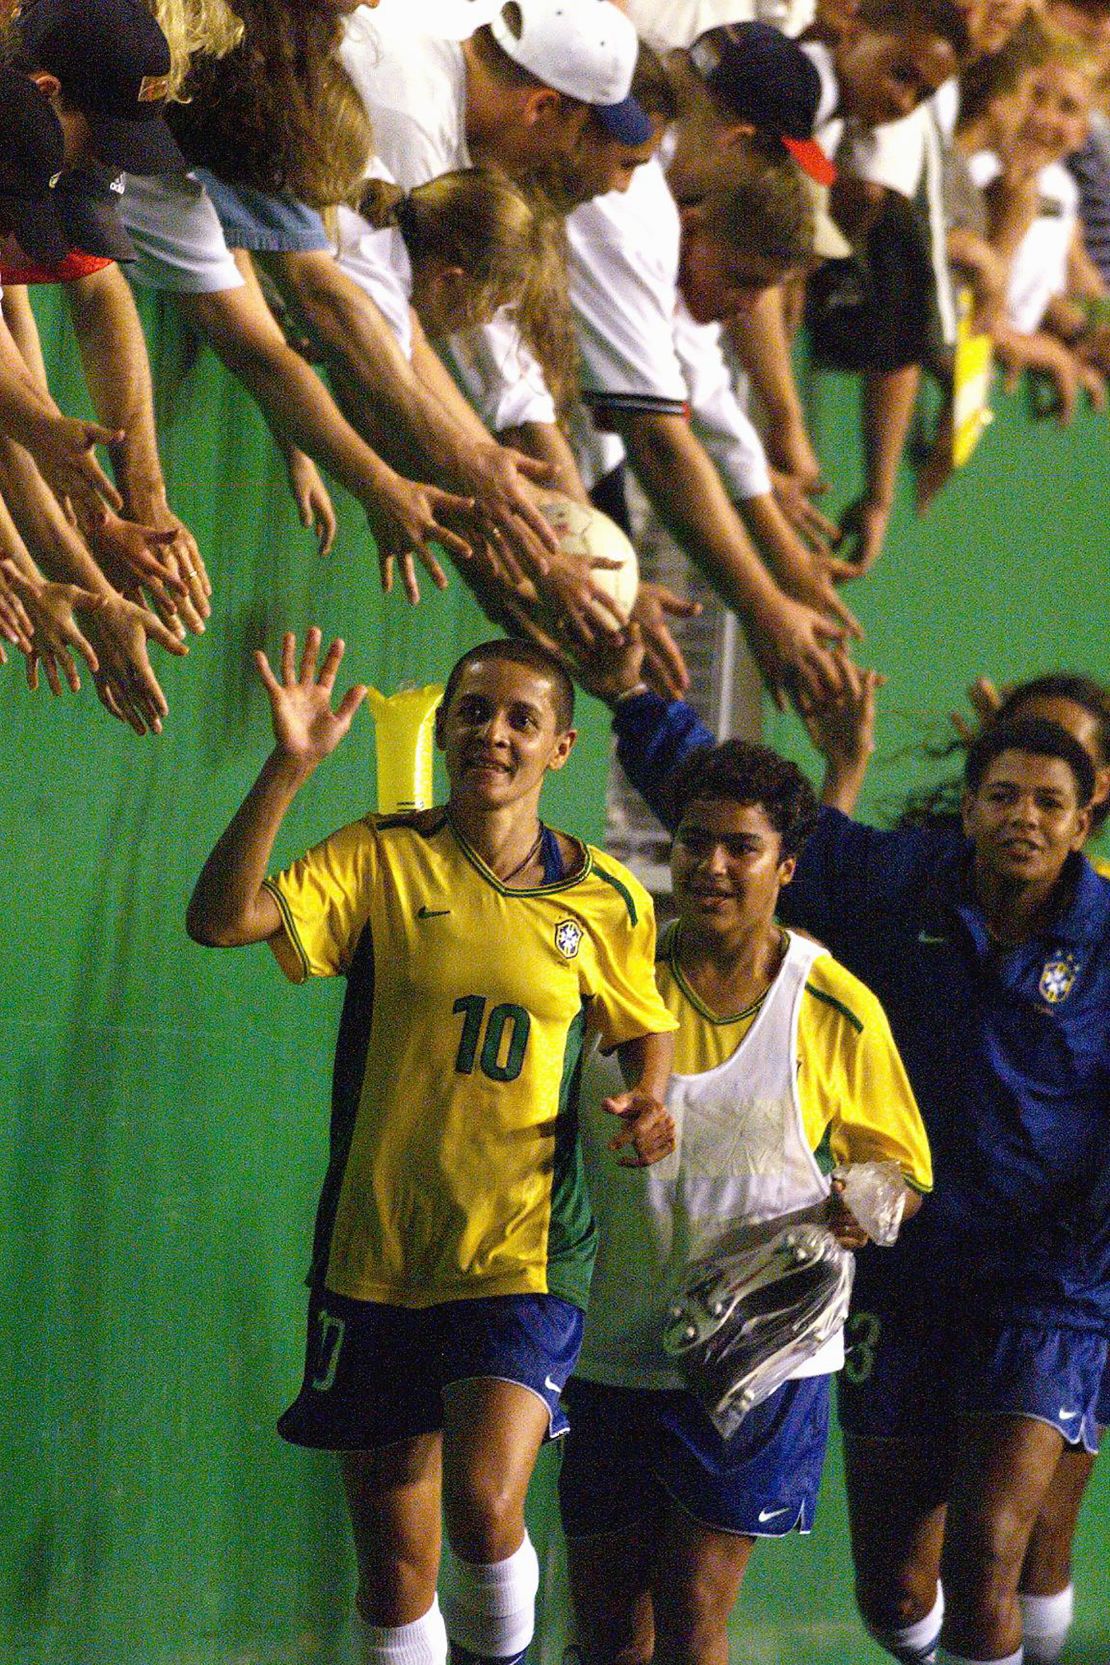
(464, 257)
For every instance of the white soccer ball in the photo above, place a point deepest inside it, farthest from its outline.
(586, 532)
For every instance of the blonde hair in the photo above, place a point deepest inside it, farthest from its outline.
(758, 203)
(1068, 50)
(475, 218)
(192, 28)
(507, 241)
(280, 113)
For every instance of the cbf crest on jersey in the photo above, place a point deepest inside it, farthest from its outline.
(1057, 978)
(568, 935)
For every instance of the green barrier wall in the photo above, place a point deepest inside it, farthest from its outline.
(168, 1106)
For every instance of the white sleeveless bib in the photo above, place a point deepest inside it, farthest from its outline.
(741, 1169)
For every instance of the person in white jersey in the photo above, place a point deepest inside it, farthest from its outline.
(653, 269)
(782, 1057)
(542, 90)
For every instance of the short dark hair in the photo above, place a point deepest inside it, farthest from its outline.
(1033, 735)
(741, 773)
(520, 653)
(942, 18)
(1090, 696)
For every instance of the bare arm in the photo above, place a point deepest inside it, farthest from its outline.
(888, 398)
(801, 572)
(1012, 203)
(119, 628)
(117, 373)
(424, 410)
(762, 343)
(229, 907)
(790, 641)
(63, 445)
(404, 516)
(648, 1132)
(118, 376)
(549, 444)
(843, 731)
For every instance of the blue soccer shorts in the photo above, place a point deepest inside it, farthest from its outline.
(1102, 1403)
(631, 1450)
(376, 1374)
(917, 1362)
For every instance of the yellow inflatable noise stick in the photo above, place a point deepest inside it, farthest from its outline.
(405, 744)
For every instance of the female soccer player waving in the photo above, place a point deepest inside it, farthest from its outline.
(454, 1237)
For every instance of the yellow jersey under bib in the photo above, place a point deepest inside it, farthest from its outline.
(456, 1169)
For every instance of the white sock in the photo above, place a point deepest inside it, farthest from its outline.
(423, 1642)
(946, 1658)
(1045, 1622)
(913, 1644)
(491, 1610)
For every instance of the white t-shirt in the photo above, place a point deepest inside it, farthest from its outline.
(379, 262)
(640, 349)
(179, 242)
(716, 413)
(624, 249)
(414, 87)
(1039, 269)
(499, 376)
(667, 24)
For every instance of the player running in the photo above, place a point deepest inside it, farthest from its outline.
(781, 1054)
(454, 1238)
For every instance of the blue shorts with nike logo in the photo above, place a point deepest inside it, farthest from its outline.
(377, 1374)
(631, 1451)
(917, 1363)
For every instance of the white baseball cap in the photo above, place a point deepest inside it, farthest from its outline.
(585, 49)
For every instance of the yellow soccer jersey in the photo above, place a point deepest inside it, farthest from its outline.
(455, 1167)
(852, 1085)
(1101, 865)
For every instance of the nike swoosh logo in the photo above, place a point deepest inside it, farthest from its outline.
(552, 1387)
(431, 913)
(927, 936)
(1067, 1416)
(770, 1514)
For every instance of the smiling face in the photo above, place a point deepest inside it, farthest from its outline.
(1025, 818)
(1059, 110)
(501, 734)
(883, 77)
(727, 868)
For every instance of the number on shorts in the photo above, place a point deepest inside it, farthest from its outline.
(500, 1020)
(331, 1341)
(862, 1332)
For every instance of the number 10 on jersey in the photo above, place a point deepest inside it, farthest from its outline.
(502, 1037)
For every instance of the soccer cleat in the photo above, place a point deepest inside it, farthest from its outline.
(744, 1322)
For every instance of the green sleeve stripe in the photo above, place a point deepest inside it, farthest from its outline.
(831, 1000)
(287, 921)
(621, 889)
(922, 1190)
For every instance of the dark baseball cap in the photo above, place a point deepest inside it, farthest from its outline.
(763, 77)
(32, 148)
(88, 200)
(113, 62)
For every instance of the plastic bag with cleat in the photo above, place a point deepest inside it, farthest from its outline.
(744, 1322)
